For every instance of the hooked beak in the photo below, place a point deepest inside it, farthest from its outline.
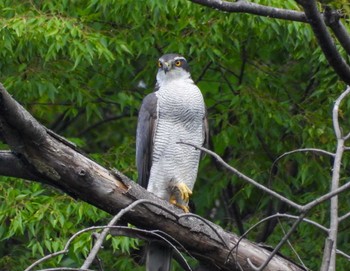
(166, 67)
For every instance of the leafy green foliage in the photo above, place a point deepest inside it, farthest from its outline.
(82, 69)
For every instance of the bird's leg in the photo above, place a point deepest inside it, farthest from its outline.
(184, 191)
(180, 196)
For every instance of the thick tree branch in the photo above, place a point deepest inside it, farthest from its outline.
(62, 166)
(325, 40)
(12, 166)
(332, 19)
(252, 8)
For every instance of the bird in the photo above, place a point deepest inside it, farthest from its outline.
(172, 114)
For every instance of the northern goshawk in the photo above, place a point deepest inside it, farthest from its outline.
(175, 112)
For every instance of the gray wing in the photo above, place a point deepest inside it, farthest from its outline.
(144, 138)
(205, 132)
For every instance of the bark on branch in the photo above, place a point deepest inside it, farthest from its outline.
(325, 40)
(256, 9)
(39, 155)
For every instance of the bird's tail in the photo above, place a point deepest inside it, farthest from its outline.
(158, 257)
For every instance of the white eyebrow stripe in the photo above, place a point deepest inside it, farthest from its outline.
(179, 57)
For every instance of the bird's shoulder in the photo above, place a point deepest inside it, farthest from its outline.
(149, 103)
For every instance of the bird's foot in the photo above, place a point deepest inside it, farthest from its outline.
(184, 190)
(180, 196)
(182, 206)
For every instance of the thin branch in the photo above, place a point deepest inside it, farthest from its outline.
(252, 8)
(65, 269)
(329, 255)
(303, 150)
(98, 260)
(326, 197)
(309, 221)
(281, 243)
(100, 239)
(204, 71)
(102, 236)
(337, 129)
(70, 240)
(296, 151)
(102, 122)
(244, 62)
(343, 254)
(228, 82)
(139, 233)
(301, 208)
(291, 246)
(278, 215)
(246, 178)
(344, 217)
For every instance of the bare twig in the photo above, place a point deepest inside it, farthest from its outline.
(291, 246)
(104, 233)
(206, 67)
(337, 129)
(303, 150)
(344, 217)
(101, 237)
(343, 254)
(326, 197)
(329, 255)
(125, 230)
(246, 178)
(102, 122)
(303, 209)
(277, 215)
(320, 151)
(122, 229)
(65, 269)
(280, 244)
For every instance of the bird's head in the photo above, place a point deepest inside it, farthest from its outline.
(172, 66)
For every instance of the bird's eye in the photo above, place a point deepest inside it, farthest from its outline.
(159, 64)
(178, 63)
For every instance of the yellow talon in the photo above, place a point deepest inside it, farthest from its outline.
(173, 200)
(183, 207)
(181, 197)
(184, 191)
